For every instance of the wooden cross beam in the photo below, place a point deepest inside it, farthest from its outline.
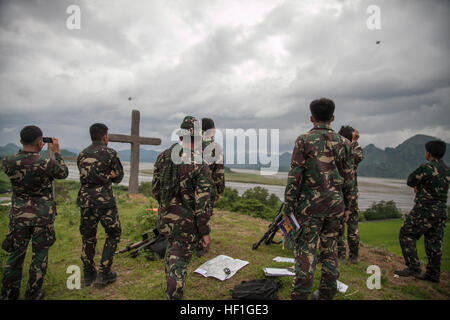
(135, 140)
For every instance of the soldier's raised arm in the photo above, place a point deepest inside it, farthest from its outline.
(415, 177)
(295, 177)
(56, 168)
(202, 200)
(358, 155)
(117, 167)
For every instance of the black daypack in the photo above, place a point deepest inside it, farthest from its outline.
(154, 249)
(170, 177)
(259, 289)
(159, 246)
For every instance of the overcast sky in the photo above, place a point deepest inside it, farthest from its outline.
(244, 63)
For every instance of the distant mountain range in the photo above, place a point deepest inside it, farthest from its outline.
(124, 155)
(144, 155)
(395, 162)
(11, 148)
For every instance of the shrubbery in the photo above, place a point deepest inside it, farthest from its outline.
(5, 184)
(147, 219)
(255, 202)
(382, 210)
(146, 189)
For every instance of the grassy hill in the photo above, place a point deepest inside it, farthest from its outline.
(232, 235)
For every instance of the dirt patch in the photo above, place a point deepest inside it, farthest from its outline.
(389, 262)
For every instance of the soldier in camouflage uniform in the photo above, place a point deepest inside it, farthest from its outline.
(182, 185)
(352, 223)
(319, 189)
(32, 213)
(99, 167)
(213, 156)
(430, 182)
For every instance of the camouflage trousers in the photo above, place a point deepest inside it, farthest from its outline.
(178, 255)
(16, 243)
(352, 236)
(109, 219)
(420, 222)
(312, 229)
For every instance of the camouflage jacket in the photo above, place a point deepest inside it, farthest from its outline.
(321, 172)
(187, 212)
(31, 178)
(431, 180)
(95, 164)
(217, 167)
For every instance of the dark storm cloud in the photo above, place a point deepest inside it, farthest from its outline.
(256, 64)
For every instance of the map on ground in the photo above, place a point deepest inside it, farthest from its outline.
(221, 267)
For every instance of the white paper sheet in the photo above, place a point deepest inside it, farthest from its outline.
(341, 287)
(277, 272)
(283, 259)
(216, 267)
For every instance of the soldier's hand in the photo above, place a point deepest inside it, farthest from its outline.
(347, 215)
(355, 135)
(415, 189)
(54, 146)
(113, 174)
(206, 241)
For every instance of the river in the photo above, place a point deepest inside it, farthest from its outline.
(370, 189)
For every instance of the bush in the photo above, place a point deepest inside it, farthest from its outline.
(228, 197)
(254, 208)
(262, 195)
(5, 184)
(146, 219)
(255, 202)
(383, 210)
(146, 189)
(361, 216)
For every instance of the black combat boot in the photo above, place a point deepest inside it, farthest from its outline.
(39, 295)
(105, 278)
(11, 294)
(353, 259)
(427, 277)
(407, 272)
(89, 277)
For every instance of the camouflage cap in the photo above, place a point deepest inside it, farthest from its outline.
(190, 126)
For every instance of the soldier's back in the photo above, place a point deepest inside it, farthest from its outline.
(432, 181)
(95, 164)
(325, 153)
(183, 191)
(31, 177)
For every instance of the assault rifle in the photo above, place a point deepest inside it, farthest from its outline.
(267, 238)
(157, 245)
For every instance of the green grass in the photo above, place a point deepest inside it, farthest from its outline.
(253, 178)
(384, 235)
(232, 234)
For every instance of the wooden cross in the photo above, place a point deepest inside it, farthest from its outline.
(136, 141)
